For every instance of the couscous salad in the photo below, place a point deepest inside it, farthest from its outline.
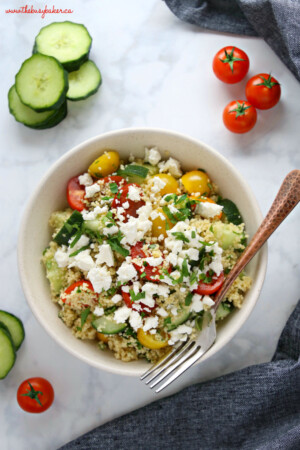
(138, 256)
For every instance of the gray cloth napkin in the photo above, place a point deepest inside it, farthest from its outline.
(277, 21)
(254, 408)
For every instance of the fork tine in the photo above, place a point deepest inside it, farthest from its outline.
(167, 372)
(188, 363)
(161, 361)
(177, 354)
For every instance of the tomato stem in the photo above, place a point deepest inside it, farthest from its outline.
(267, 82)
(240, 110)
(32, 393)
(230, 58)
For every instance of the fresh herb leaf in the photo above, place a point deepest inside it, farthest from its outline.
(114, 242)
(69, 228)
(136, 297)
(179, 236)
(169, 215)
(188, 299)
(110, 310)
(76, 238)
(199, 321)
(113, 187)
(193, 278)
(143, 275)
(193, 234)
(231, 211)
(185, 269)
(167, 321)
(85, 247)
(84, 315)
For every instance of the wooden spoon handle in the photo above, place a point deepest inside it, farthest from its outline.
(285, 201)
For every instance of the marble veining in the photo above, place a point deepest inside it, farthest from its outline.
(157, 73)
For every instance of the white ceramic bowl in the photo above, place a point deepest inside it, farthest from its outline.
(50, 195)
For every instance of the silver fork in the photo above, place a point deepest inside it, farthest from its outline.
(184, 355)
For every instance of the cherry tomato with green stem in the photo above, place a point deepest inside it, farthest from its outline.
(263, 91)
(35, 395)
(230, 64)
(239, 116)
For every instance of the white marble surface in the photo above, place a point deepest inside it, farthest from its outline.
(157, 72)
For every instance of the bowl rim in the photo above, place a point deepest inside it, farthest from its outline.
(262, 254)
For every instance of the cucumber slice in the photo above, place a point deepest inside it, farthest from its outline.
(56, 275)
(67, 41)
(182, 316)
(69, 228)
(84, 82)
(131, 172)
(42, 83)
(7, 353)
(24, 114)
(107, 325)
(15, 327)
(54, 120)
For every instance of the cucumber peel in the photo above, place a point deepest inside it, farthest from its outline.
(14, 326)
(7, 353)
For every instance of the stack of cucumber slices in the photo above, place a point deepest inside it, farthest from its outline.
(11, 337)
(59, 70)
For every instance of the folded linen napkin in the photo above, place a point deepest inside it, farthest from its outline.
(277, 21)
(255, 408)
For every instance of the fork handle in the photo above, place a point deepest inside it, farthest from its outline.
(285, 201)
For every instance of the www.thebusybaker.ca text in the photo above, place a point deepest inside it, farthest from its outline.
(31, 10)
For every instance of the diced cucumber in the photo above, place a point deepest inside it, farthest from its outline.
(42, 83)
(56, 275)
(84, 82)
(26, 115)
(223, 310)
(132, 174)
(231, 211)
(7, 353)
(107, 325)
(225, 236)
(182, 316)
(67, 41)
(69, 228)
(15, 327)
(93, 225)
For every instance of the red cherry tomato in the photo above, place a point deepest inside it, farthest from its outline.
(35, 395)
(230, 64)
(263, 91)
(76, 285)
(131, 304)
(114, 179)
(210, 288)
(75, 194)
(122, 197)
(151, 273)
(239, 116)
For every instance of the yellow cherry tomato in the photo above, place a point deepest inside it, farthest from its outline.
(160, 225)
(170, 183)
(102, 337)
(196, 181)
(205, 199)
(151, 340)
(105, 164)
